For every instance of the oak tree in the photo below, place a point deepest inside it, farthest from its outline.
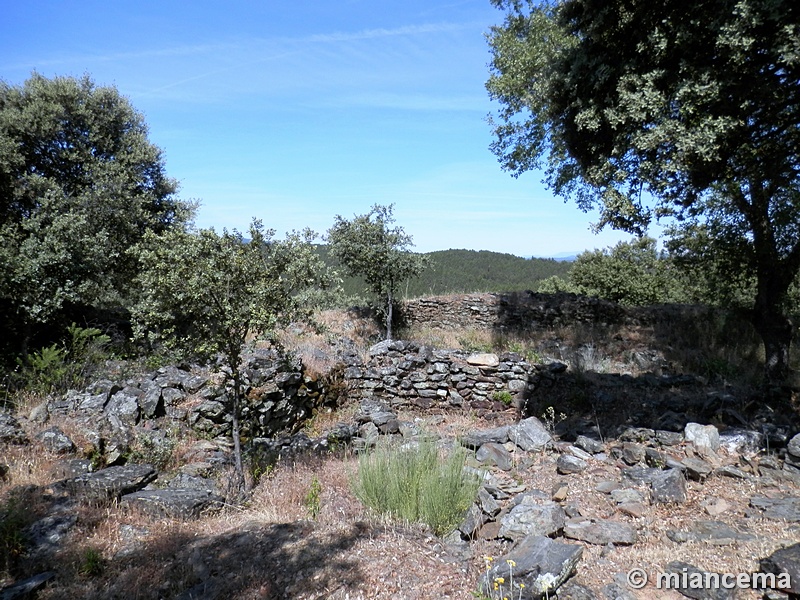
(668, 109)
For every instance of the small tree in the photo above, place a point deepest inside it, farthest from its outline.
(368, 247)
(209, 294)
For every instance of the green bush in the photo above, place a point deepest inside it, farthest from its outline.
(59, 367)
(503, 396)
(417, 485)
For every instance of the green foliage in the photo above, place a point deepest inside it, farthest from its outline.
(206, 294)
(59, 367)
(313, 499)
(667, 110)
(79, 184)
(91, 562)
(503, 396)
(369, 248)
(417, 485)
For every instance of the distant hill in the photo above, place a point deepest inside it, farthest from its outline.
(461, 271)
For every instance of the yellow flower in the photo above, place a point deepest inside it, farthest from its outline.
(521, 585)
(511, 563)
(500, 579)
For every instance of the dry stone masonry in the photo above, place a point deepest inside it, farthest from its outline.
(409, 374)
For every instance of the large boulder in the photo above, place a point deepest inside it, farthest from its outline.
(530, 435)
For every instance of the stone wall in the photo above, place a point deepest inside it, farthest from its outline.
(407, 373)
(528, 310)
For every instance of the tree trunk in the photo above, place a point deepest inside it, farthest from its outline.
(237, 445)
(775, 329)
(390, 302)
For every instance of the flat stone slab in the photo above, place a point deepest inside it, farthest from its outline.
(779, 509)
(111, 482)
(179, 503)
(537, 562)
(715, 533)
(475, 439)
(601, 532)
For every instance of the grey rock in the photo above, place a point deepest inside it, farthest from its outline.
(669, 487)
(494, 454)
(633, 453)
(601, 532)
(731, 471)
(541, 564)
(472, 522)
(380, 348)
(696, 468)
(125, 405)
(575, 591)
(669, 438)
(180, 503)
(692, 576)
(785, 560)
(704, 438)
(483, 360)
(11, 431)
(172, 396)
(112, 481)
(654, 458)
(568, 464)
(637, 434)
(532, 517)
(741, 441)
(39, 413)
(530, 435)
(624, 495)
(715, 533)
(786, 508)
(641, 475)
(475, 439)
(56, 441)
(26, 587)
(150, 403)
(793, 447)
(46, 534)
(615, 591)
(487, 502)
(590, 445)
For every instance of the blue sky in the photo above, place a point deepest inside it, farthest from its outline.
(295, 112)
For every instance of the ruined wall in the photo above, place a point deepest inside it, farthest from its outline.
(406, 373)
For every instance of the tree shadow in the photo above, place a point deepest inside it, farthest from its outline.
(254, 561)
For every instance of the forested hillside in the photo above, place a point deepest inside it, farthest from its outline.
(454, 271)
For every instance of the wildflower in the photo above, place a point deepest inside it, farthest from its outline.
(511, 563)
(500, 580)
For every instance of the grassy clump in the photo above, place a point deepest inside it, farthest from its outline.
(417, 484)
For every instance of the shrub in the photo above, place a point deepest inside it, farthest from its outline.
(503, 396)
(417, 485)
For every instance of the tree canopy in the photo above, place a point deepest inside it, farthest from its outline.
(643, 110)
(79, 184)
(367, 246)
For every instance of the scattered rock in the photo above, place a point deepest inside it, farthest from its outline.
(56, 441)
(180, 503)
(27, 587)
(494, 454)
(11, 431)
(715, 533)
(601, 532)
(532, 517)
(530, 435)
(785, 561)
(475, 439)
(786, 508)
(704, 438)
(539, 563)
(589, 445)
(111, 482)
(669, 487)
(568, 464)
